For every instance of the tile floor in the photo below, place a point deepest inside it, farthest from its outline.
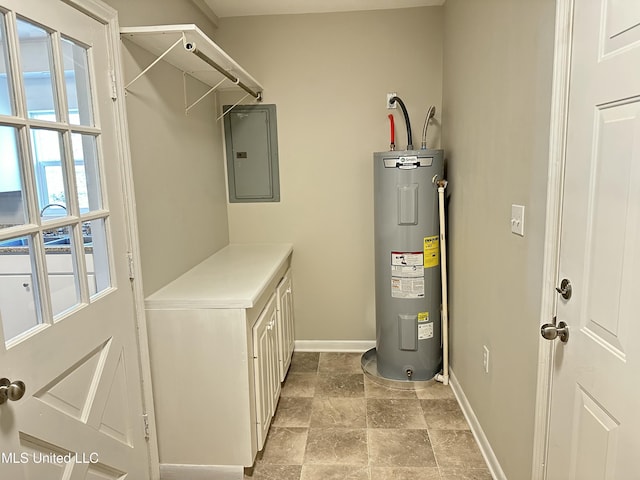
(332, 423)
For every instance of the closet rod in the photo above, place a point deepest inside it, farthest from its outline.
(191, 47)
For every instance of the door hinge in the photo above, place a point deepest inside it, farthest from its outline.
(131, 266)
(145, 422)
(114, 86)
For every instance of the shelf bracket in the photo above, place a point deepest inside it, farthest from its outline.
(232, 107)
(178, 42)
(188, 107)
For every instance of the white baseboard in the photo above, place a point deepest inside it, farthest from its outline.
(200, 472)
(334, 345)
(476, 429)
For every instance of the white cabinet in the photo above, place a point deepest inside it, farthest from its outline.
(286, 335)
(17, 288)
(18, 306)
(214, 351)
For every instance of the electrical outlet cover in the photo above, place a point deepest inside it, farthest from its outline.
(389, 97)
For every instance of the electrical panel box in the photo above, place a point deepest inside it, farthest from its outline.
(251, 139)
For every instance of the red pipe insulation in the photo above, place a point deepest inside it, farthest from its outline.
(393, 133)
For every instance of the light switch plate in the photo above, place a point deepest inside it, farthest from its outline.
(517, 219)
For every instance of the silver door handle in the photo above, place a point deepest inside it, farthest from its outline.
(551, 331)
(11, 390)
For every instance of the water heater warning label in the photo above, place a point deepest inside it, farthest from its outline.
(407, 287)
(425, 327)
(407, 275)
(431, 251)
(425, 330)
(406, 259)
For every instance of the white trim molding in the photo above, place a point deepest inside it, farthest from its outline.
(200, 472)
(96, 9)
(476, 429)
(555, 182)
(334, 345)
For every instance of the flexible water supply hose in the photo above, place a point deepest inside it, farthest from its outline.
(430, 114)
(392, 145)
(444, 377)
(392, 100)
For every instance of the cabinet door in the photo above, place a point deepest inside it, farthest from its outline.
(264, 369)
(286, 337)
(274, 369)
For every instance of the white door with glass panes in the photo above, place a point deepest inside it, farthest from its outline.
(71, 402)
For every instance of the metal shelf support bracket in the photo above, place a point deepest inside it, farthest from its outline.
(178, 42)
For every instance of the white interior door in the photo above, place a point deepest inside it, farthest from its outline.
(595, 396)
(67, 321)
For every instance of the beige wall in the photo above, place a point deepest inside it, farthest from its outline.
(497, 83)
(329, 74)
(177, 160)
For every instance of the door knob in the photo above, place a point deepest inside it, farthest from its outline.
(550, 331)
(11, 390)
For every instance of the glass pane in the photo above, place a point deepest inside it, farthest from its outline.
(12, 199)
(6, 99)
(62, 269)
(85, 156)
(46, 148)
(76, 78)
(97, 255)
(18, 291)
(37, 68)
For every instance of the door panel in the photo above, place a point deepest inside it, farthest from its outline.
(594, 439)
(595, 392)
(610, 239)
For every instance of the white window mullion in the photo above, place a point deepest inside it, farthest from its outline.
(69, 167)
(93, 84)
(20, 105)
(101, 167)
(80, 267)
(57, 70)
(38, 259)
(17, 87)
(69, 173)
(38, 266)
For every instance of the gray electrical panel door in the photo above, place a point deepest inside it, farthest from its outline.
(252, 153)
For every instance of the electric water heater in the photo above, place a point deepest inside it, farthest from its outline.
(407, 264)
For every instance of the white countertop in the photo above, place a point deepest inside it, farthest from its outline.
(234, 277)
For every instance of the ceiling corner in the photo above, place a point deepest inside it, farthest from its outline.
(206, 9)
